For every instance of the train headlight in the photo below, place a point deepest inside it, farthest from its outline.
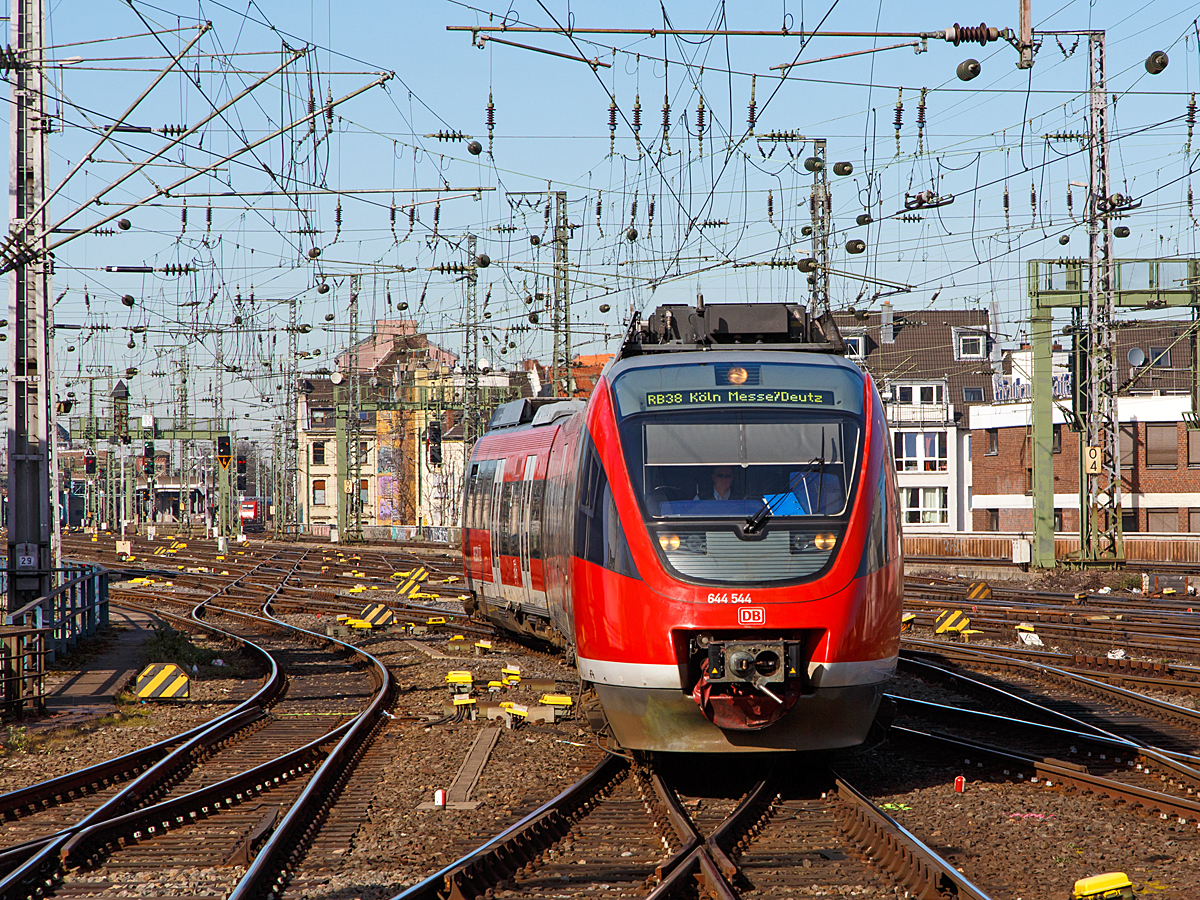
(825, 541)
(738, 375)
(668, 542)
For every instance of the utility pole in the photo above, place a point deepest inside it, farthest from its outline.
(1101, 536)
(32, 465)
(562, 374)
(472, 426)
(352, 495)
(819, 207)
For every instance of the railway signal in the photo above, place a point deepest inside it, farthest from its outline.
(89, 463)
(148, 458)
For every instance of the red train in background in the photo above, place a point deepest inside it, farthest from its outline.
(714, 536)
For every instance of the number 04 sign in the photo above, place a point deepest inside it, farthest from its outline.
(1091, 460)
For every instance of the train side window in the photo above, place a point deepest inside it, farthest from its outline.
(472, 497)
(538, 492)
(506, 535)
(487, 473)
(599, 537)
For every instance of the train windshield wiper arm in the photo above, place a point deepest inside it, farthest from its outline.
(755, 522)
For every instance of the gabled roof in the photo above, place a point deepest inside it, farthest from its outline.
(923, 348)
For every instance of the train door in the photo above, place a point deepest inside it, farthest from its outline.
(495, 526)
(524, 531)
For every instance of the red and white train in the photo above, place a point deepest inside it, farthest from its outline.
(714, 536)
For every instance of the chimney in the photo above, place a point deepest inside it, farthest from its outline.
(886, 334)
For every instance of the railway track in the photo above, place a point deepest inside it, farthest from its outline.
(242, 796)
(629, 829)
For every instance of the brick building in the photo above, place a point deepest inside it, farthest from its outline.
(1160, 456)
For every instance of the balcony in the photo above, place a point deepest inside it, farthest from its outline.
(919, 413)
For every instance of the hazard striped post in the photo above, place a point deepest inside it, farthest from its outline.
(163, 681)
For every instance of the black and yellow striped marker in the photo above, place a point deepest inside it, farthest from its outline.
(951, 620)
(980, 590)
(377, 614)
(163, 681)
(418, 575)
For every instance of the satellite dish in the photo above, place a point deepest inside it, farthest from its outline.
(337, 378)
(1136, 357)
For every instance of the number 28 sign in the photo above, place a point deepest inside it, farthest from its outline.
(1092, 461)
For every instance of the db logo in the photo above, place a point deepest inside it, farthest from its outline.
(752, 615)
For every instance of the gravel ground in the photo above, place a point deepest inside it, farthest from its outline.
(1028, 842)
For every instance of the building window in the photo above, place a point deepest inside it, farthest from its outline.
(1194, 521)
(1056, 444)
(993, 520)
(972, 395)
(364, 491)
(926, 505)
(970, 346)
(318, 453)
(1162, 521)
(318, 495)
(1193, 447)
(362, 450)
(1129, 521)
(854, 345)
(1162, 446)
(904, 393)
(920, 451)
(1160, 357)
(932, 393)
(320, 417)
(1128, 446)
(1029, 481)
(993, 442)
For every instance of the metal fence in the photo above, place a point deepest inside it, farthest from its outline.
(39, 631)
(1141, 548)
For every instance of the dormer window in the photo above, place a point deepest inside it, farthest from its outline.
(854, 346)
(970, 345)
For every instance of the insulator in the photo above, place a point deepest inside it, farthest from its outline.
(173, 130)
(1190, 216)
(599, 208)
(921, 122)
(437, 215)
(751, 113)
(412, 218)
(392, 219)
(666, 122)
(612, 125)
(329, 108)
(183, 219)
(898, 121)
(633, 208)
(1033, 199)
(1070, 202)
(1006, 206)
(491, 120)
(650, 215)
(208, 217)
(971, 34)
(337, 219)
(700, 123)
(771, 207)
(1191, 122)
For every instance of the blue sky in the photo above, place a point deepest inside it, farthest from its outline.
(745, 200)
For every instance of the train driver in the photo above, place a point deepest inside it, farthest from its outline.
(722, 484)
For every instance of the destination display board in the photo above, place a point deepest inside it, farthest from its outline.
(726, 397)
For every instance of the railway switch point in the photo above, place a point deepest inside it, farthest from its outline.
(907, 621)
(163, 681)
(482, 648)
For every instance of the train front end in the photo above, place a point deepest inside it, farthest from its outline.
(747, 591)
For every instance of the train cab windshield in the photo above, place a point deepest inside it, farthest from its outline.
(716, 452)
